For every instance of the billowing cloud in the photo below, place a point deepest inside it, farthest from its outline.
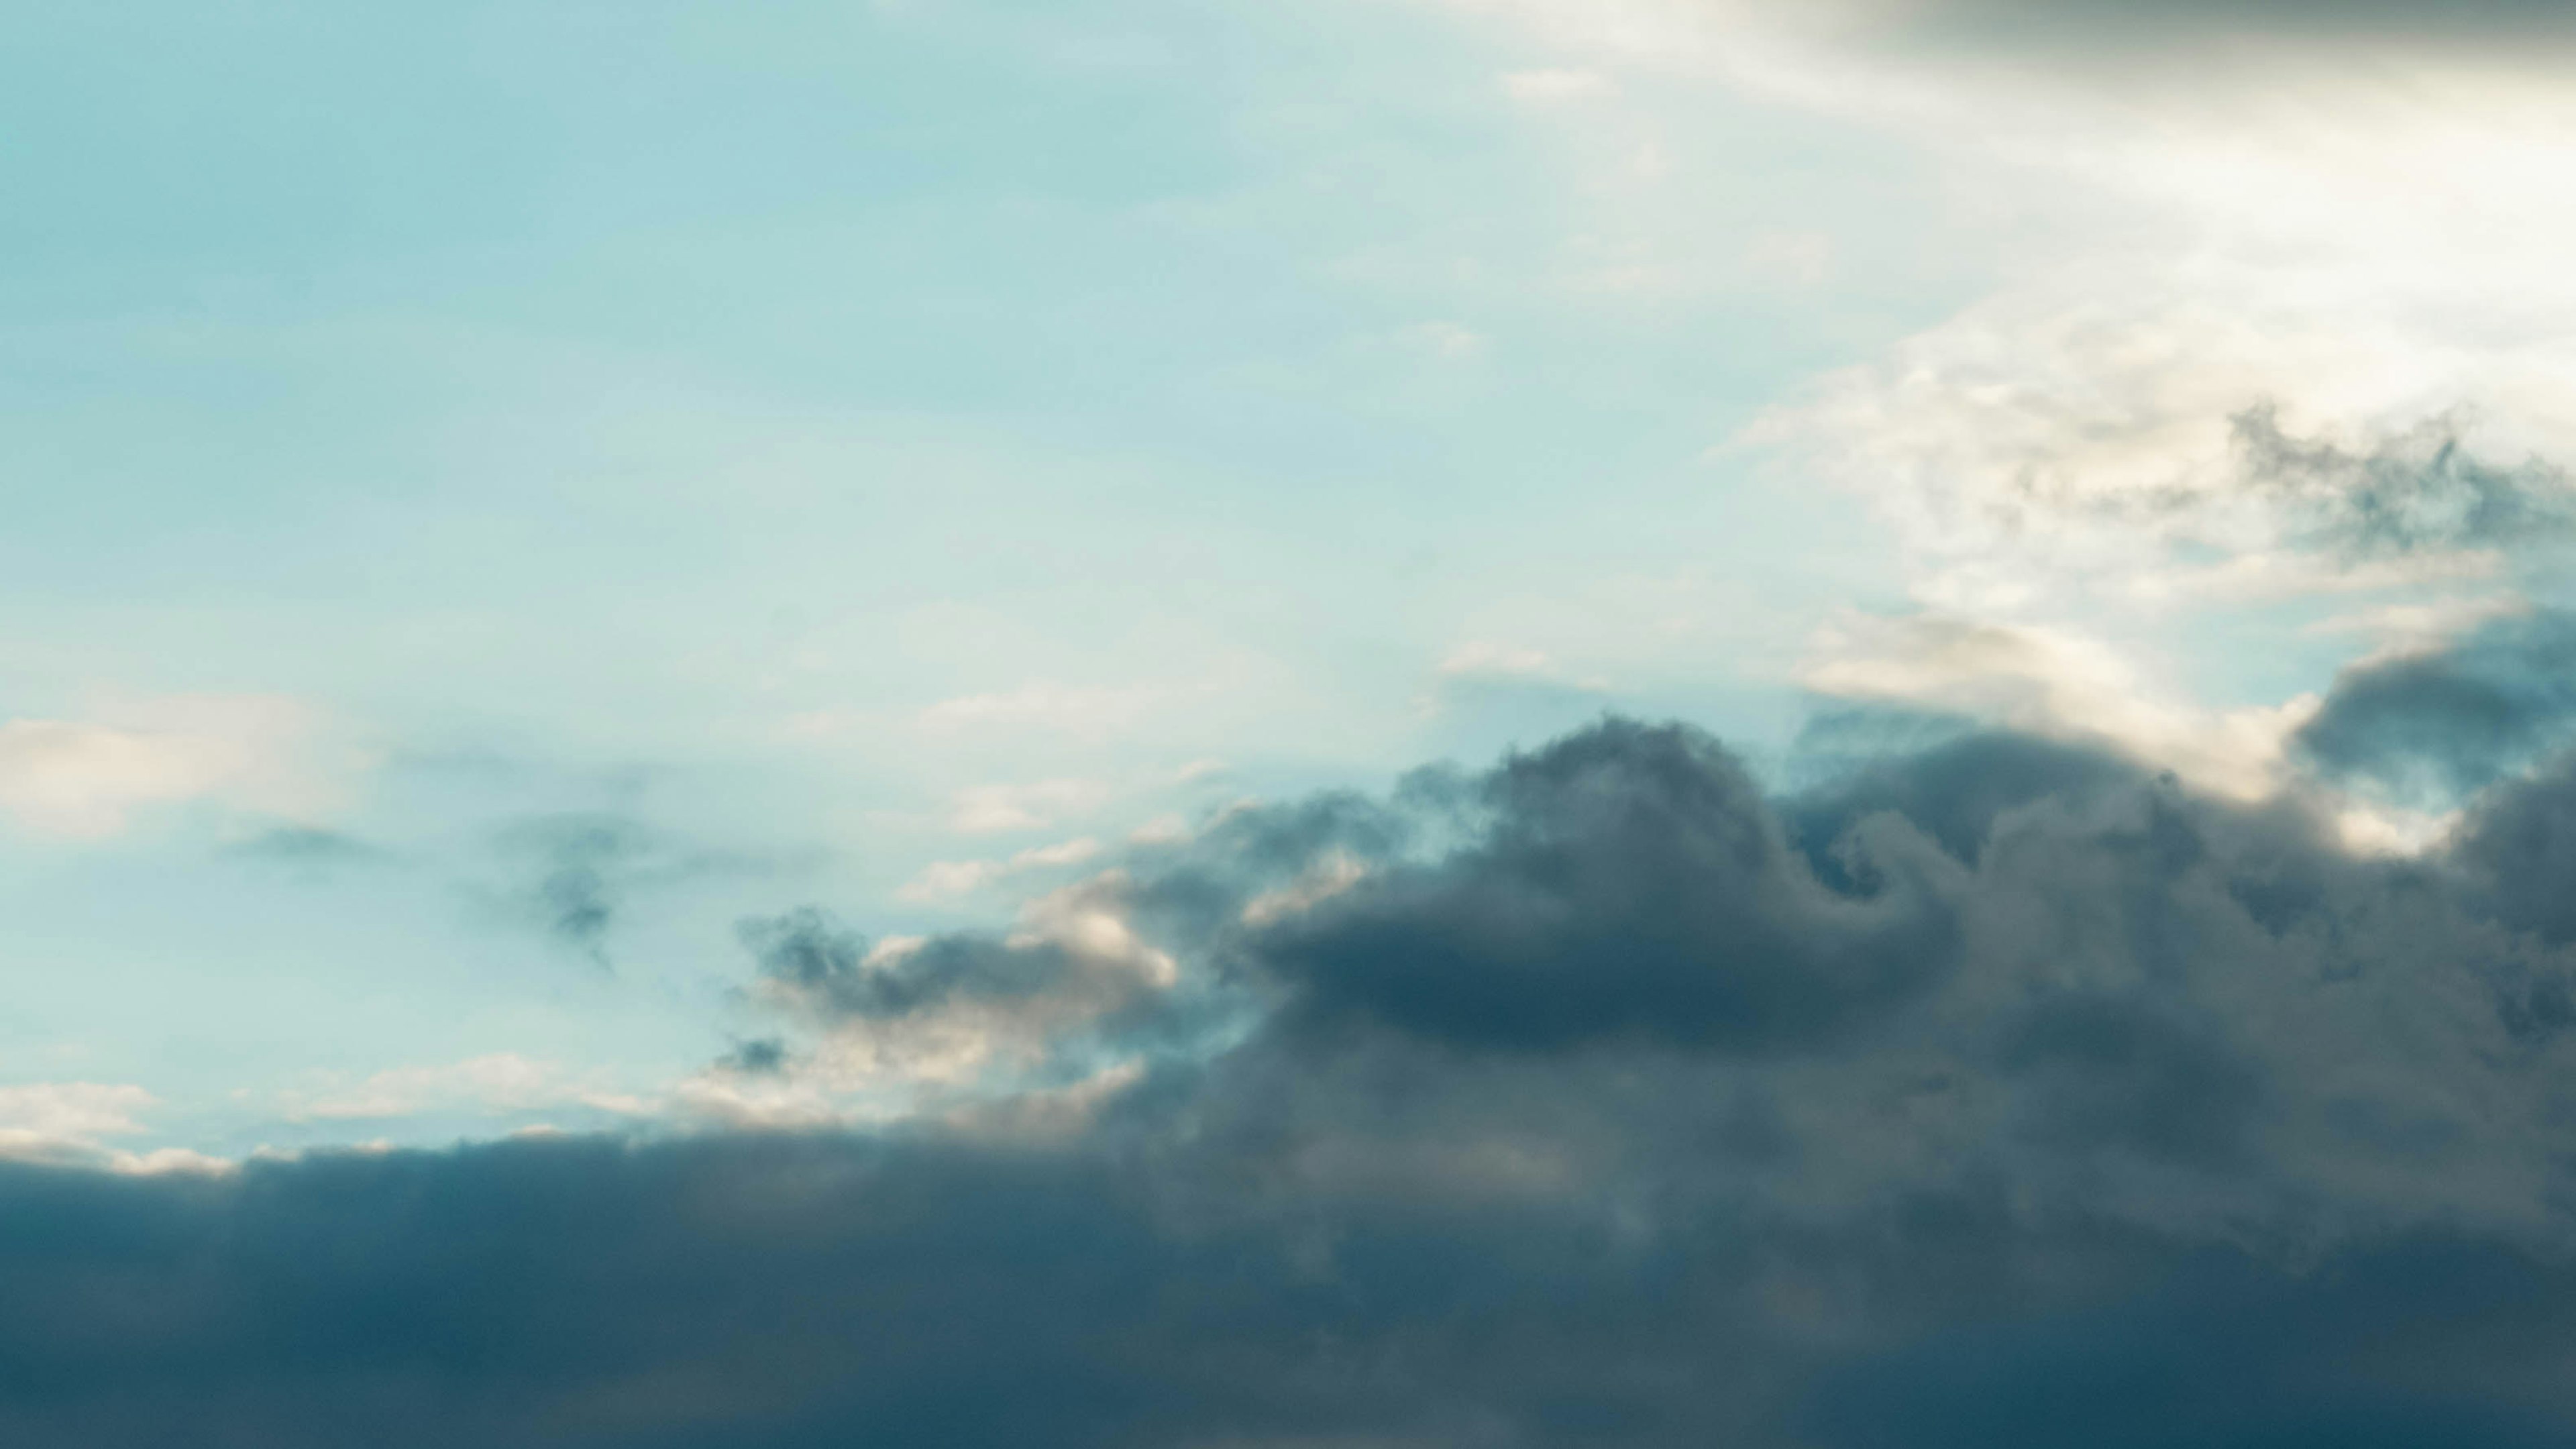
(2443, 722)
(1997, 1091)
(1632, 885)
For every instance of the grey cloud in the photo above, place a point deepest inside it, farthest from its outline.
(2451, 721)
(2417, 492)
(1631, 883)
(824, 967)
(1951, 782)
(2226, 1354)
(1596, 1110)
(580, 873)
(2522, 847)
(761, 1056)
(581, 867)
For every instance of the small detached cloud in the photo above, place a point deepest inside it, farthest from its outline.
(68, 1124)
(948, 1010)
(1483, 665)
(91, 779)
(574, 876)
(503, 1083)
(948, 880)
(1004, 808)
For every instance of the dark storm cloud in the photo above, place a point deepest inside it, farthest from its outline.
(2522, 843)
(2226, 1354)
(1949, 782)
(1631, 883)
(2453, 720)
(1995, 1094)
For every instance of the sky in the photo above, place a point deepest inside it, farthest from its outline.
(1381, 723)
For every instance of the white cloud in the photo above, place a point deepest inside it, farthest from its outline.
(2053, 682)
(66, 1119)
(2359, 225)
(967, 1052)
(997, 809)
(502, 1082)
(1332, 873)
(63, 1122)
(1480, 659)
(1081, 711)
(1482, 664)
(88, 779)
(945, 880)
(1169, 828)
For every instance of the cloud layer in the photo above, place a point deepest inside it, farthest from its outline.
(1998, 1091)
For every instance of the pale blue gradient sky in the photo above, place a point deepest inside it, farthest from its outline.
(820, 441)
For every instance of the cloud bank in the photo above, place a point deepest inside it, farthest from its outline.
(1993, 1091)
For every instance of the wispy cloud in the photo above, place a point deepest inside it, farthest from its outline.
(89, 779)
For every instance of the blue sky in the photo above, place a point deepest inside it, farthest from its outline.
(648, 411)
(501, 494)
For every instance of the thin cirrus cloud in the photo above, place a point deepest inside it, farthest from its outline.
(945, 880)
(1086, 710)
(502, 1083)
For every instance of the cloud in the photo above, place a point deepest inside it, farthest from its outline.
(944, 880)
(581, 866)
(578, 873)
(2040, 449)
(1990, 1090)
(502, 1082)
(1083, 711)
(2419, 492)
(2438, 724)
(2521, 843)
(89, 779)
(48, 1120)
(307, 848)
(2043, 680)
(950, 1009)
(999, 809)
(1480, 659)
(1634, 887)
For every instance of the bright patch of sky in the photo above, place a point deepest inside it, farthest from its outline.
(499, 494)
